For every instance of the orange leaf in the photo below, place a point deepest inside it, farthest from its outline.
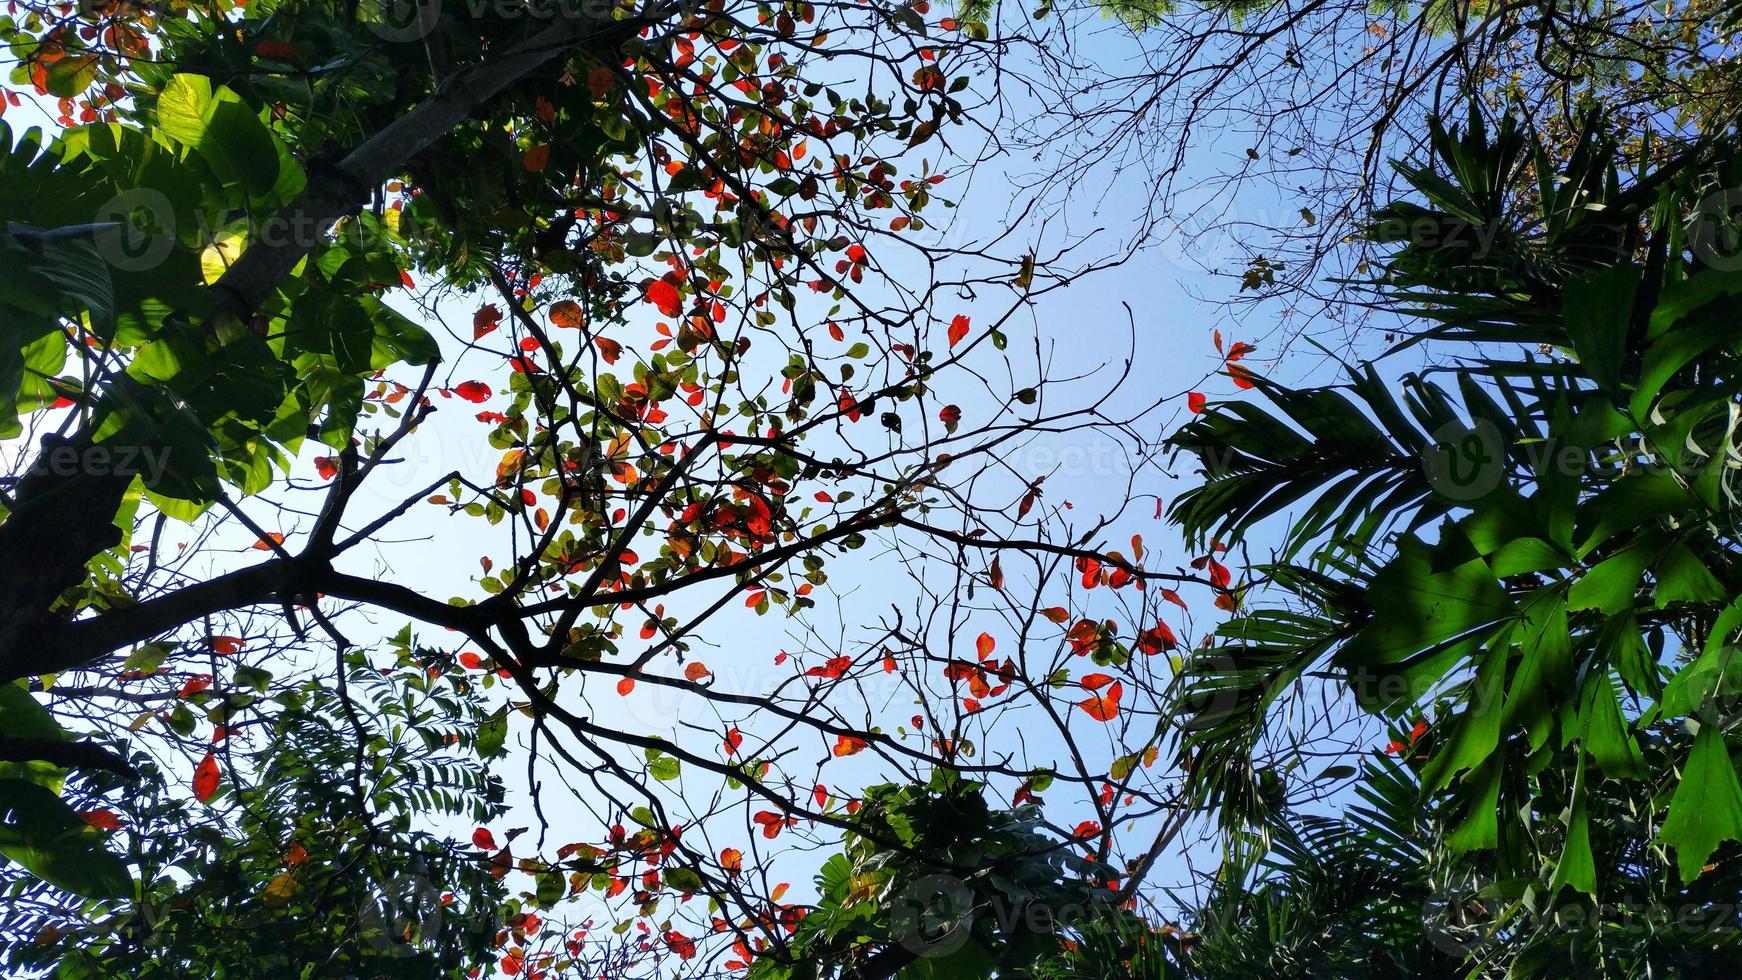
(848, 745)
(958, 329)
(265, 545)
(625, 685)
(984, 645)
(1103, 707)
(536, 158)
(696, 671)
(510, 464)
(568, 313)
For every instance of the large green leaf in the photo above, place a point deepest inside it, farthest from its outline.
(1707, 807)
(40, 832)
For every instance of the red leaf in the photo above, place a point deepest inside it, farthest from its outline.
(1157, 640)
(487, 318)
(682, 945)
(1219, 575)
(206, 776)
(625, 685)
(696, 671)
(405, 280)
(821, 795)
(1057, 614)
(226, 644)
(476, 392)
(985, 645)
(484, 839)
(327, 467)
(848, 745)
(832, 668)
(471, 661)
(536, 158)
(958, 329)
(732, 741)
(1094, 682)
(1195, 400)
(101, 818)
(1242, 377)
(665, 296)
(949, 415)
(195, 685)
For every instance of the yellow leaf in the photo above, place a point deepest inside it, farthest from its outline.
(280, 889)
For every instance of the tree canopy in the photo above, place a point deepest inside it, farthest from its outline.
(560, 489)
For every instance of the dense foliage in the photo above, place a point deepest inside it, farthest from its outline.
(691, 306)
(1524, 565)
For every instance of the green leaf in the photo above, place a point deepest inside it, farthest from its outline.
(1707, 807)
(1597, 309)
(492, 732)
(683, 879)
(226, 134)
(1477, 734)
(551, 888)
(40, 832)
(1576, 868)
(1423, 621)
(663, 767)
